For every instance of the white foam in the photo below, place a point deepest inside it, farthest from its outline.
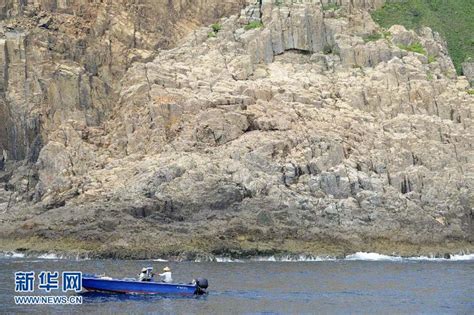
(305, 258)
(425, 258)
(13, 255)
(288, 258)
(269, 258)
(363, 256)
(359, 256)
(227, 259)
(49, 256)
(462, 257)
(372, 257)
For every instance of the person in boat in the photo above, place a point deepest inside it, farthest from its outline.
(146, 274)
(166, 275)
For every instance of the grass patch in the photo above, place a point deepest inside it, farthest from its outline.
(453, 19)
(216, 27)
(416, 47)
(431, 59)
(387, 35)
(372, 37)
(253, 25)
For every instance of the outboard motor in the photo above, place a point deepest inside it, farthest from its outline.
(202, 285)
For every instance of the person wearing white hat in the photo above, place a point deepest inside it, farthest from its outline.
(166, 275)
(146, 274)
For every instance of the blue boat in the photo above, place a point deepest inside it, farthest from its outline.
(133, 286)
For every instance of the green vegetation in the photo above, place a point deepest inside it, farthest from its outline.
(278, 2)
(216, 27)
(253, 25)
(386, 34)
(431, 59)
(470, 92)
(376, 36)
(331, 6)
(416, 47)
(453, 19)
(372, 37)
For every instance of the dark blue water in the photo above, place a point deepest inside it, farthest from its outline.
(327, 287)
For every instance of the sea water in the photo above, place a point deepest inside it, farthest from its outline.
(363, 283)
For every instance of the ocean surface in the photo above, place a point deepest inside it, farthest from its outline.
(363, 283)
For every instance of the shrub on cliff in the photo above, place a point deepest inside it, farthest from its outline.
(453, 19)
(416, 47)
(253, 25)
(216, 27)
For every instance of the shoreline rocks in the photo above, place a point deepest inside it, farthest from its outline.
(49, 248)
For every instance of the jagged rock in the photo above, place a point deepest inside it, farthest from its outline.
(468, 71)
(296, 131)
(45, 22)
(402, 36)
(218, 127)
(73, 70)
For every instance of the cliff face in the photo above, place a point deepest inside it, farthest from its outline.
(64, 59)
(319, 132)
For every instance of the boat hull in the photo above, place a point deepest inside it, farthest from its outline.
(137, 287)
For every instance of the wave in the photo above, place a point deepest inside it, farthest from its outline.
(463, 257)
(49, 256)
(12, 255)
(294, 258)
(285, 258)
(372, 257)
(227, 259)
(359, 256)
(460, 257)
(364, 256)
(44, 256)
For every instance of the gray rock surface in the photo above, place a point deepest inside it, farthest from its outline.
(468, 71)
(298, 136)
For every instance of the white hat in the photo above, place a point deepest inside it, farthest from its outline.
(166, 269)
(143, 269)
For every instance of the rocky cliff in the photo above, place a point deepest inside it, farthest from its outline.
(290, 126)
